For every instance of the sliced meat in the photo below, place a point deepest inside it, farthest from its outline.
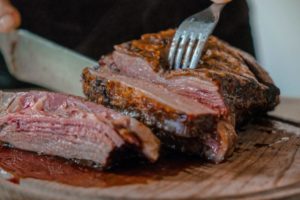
(203, 105)
(181, 123)
(70, 127)
(241, 83)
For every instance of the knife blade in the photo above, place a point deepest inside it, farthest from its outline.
(33, 59)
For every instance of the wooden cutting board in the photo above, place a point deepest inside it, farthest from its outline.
(265, 165)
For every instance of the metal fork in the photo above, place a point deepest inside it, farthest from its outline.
(191, 36)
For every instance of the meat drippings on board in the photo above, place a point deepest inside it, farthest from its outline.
(16, 165)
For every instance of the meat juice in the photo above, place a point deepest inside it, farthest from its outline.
(17, 164)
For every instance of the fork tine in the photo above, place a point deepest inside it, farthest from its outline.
(173, 48)
(197, 52)
(186, 60)
(180, 51)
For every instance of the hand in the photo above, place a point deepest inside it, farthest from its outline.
(220, 1)
(9, 16)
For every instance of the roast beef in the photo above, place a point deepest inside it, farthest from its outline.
(70, 127)
(192, 111)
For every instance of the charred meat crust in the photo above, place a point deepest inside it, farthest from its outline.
(232, 84)
(178, 131)
(237, 73)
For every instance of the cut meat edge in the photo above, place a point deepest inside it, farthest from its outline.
(158, 91)
(203, 89)
(74, 138)
(122, 93)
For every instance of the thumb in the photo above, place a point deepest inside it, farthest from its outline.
(220, 1)
(9, 16)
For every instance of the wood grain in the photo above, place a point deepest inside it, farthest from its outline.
(265, 165)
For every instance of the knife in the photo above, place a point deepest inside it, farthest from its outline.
(33, 59)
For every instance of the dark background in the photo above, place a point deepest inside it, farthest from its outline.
(92, 27)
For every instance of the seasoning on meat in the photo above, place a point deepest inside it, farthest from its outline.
(192, 111)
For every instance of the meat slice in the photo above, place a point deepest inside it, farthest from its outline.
(192, 111)
(70, 127)
(181, 123)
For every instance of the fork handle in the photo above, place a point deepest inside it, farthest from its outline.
(221, 1)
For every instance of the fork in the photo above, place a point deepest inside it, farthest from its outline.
(192, 35)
